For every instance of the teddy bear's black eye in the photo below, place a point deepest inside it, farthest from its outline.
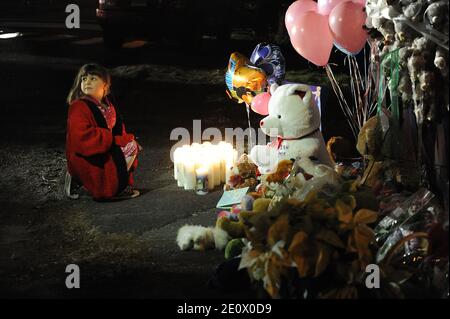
(279, 116)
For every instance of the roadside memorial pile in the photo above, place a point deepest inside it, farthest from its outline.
(306, 225)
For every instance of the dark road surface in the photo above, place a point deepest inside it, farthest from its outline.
(124, 249)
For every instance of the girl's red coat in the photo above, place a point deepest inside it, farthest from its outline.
(89, 152)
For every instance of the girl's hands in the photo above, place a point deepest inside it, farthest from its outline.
(123, 140)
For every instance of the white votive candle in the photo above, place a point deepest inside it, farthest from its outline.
(182, 153)
(201, 186)
(189, 172)
(176, 155)
(217, 177)
(210, 168)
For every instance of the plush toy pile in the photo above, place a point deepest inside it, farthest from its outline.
(311, 226)
(413, 42)
(294, 119)
(306, 224)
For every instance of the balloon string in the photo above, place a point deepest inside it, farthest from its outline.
(356, 92)
(250, 143)
(377, 76)
(352, 87)
(363, 89)
(359, 88)
(342, 101)
(370, 75)
(365, 66)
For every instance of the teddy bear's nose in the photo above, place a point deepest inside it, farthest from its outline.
(261, 123)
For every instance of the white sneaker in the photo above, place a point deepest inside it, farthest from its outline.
(68, 187)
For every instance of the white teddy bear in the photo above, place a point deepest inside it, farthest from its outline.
(294, 120)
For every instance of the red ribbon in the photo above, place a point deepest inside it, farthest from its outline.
(277, 143)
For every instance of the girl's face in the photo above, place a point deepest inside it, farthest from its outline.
(94, 86)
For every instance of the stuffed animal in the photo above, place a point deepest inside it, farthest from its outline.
(198, 237)
(236, 229)
(441, 61)
(426, 79)
(412, 10)
(282, 171)
(271, 182)
(436, 12)
(234, 248)
(404, 86)
(294, 120)
(368, 147)
(403, 32)
(244, 175)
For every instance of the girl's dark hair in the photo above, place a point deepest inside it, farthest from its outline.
(92, 69)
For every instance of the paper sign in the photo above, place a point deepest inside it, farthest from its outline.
(232, 197)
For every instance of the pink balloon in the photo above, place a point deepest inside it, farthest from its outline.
(346, 24)
(297, 8)
(311, 38)
(324, 7)
(260, 103)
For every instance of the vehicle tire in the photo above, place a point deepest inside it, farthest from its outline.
(112, 38)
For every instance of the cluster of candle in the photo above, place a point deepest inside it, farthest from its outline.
(203, 160)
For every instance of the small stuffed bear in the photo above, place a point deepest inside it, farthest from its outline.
(436, 12)
(368, 147)
(294, 120)
(283, 169)
(270, 182)
(441, 61)
(244, 175)
(412, 10)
